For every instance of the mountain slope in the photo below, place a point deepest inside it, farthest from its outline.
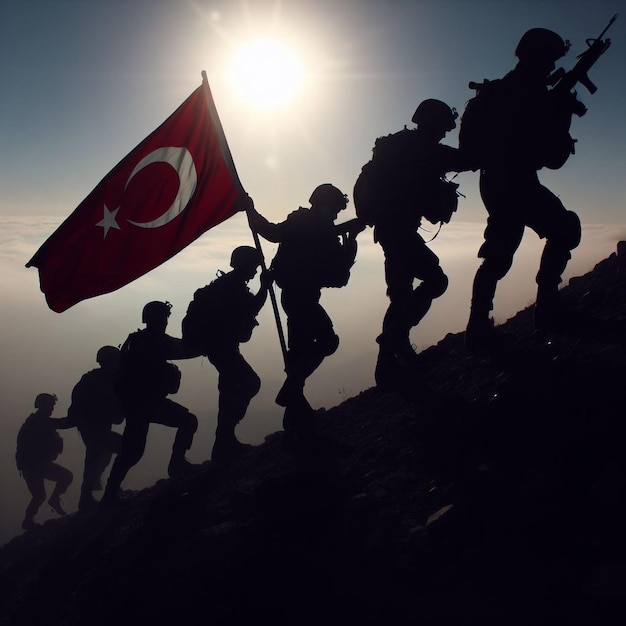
(487, 491)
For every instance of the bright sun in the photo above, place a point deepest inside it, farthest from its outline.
(266, 74)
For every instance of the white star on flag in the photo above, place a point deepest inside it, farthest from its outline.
(108, 220)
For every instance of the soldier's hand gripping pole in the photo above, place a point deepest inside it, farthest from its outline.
(270, 288)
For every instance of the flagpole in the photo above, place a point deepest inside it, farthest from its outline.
(257, 243)
(270, 290)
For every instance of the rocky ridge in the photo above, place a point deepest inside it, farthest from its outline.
(488, 491)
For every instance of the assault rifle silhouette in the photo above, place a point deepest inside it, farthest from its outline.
(563, 82)
(561, 145)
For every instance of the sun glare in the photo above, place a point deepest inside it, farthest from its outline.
(266, 74)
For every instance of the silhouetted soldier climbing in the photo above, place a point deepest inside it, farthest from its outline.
(145, 378)
(38, 446)
(220, 317)
(514, 127)
(313, 253)
(403, 183)
(94, 409)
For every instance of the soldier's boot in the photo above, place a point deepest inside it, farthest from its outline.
(227, 446)
(180, 466)
(87, 502)
(549, 314)
(405, 354)
(482, 338)
(386, 370)
(56, 505)
(299, 418)
(291, 390)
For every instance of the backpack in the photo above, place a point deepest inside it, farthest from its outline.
(94, 401)
(142, 372)
(441, 200)
(38, 444)
(491, 123)
(481, 123)
(367, 195)
(388, 182)
(311, 253)
(220, 312)
(372, 187)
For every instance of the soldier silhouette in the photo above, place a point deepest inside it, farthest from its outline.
(94, 409)
(144, 380)
(524, 128)
(220, 317)
(38, 446)
(403, 183)
(313, 253)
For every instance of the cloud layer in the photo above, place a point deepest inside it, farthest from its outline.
(44, 351)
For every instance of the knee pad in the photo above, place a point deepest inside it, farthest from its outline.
(192, 423)
(67, 479)
(496, 266)
(572, 230)
(251, 386)
(329, 346)
(436, 286)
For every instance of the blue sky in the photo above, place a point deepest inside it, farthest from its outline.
(84, 81)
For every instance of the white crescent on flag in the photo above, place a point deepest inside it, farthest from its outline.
(182, 162)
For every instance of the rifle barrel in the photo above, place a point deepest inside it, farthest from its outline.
(608, 25)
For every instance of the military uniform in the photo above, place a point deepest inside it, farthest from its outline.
(311, 255)
(38, 446)
(144, 379)
(409, 169)
(94, 409)
(529, 134)
(230, 322)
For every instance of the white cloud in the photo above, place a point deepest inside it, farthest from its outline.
(41, 350)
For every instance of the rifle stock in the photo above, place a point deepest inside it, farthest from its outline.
(353, 227)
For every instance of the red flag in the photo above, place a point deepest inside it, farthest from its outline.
(175, 185)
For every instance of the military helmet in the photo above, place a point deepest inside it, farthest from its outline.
(435, 112)
(107, 354)
(155, 310)
(245, 256)
(44, 400)
(329, 195)
(540, 43)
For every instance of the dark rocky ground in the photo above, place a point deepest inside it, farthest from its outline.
(493, 491)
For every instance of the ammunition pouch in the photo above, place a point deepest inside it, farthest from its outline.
(556, 150)
(171, 378)
(440, 201)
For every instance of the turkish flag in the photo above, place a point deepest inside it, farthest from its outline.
(175, 185)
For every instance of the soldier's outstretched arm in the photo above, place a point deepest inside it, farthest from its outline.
(352, 227)
(261, 296)
(62, 423)
(262, 226)
(456, 160)
(175, 349)
(463, 163)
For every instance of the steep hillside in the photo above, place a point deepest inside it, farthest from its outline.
(488, 491)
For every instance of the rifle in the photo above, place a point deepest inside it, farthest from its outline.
(563, 82)
(352, 227)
